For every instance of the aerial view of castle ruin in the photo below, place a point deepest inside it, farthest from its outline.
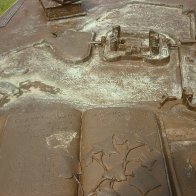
(97, 97)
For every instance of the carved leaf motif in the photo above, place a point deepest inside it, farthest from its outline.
(105, 147)
(143, 181)
(149, 159)
(130, 137)
(148, 140)
(116, 173)
(107, 192)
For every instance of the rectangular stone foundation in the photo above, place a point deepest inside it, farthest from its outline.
(54, 10)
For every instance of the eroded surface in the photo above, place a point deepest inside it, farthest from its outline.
(120, 147)
(39, 152)
(121, 154)
(95, 82)
(183, 154)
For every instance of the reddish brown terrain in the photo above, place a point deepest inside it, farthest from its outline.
(100, 104)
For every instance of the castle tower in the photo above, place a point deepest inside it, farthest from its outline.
(154, 42)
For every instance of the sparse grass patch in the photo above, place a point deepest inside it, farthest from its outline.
(5, 4)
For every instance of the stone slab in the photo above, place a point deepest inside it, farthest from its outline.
(184, 159)
(122, 153)
(55, 10)
(39, 151)
(180, 124)
(188, 69)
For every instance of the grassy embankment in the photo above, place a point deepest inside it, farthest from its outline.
(5, 4)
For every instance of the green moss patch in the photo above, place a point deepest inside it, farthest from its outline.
(5, 4)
